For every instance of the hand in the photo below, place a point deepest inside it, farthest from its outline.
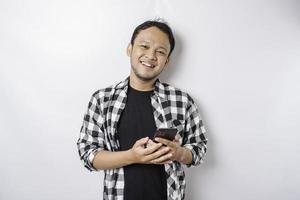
(175, 150)
(144, 151)
(164, 158)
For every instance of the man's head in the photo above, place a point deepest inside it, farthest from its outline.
(161, 26)
(149, 50)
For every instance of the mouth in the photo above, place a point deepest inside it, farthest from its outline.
(147, 64)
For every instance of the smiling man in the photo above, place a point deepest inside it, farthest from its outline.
(118, 128)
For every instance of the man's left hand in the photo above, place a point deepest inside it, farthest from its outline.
(174, 154)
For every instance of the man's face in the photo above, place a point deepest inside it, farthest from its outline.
(149, 53)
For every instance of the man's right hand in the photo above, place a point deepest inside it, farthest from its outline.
(144, 151)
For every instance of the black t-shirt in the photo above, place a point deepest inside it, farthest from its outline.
(142, 181)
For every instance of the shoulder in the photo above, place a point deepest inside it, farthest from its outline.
(103, 94)
(175, 93)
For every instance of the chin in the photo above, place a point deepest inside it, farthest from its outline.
(145, 78)
(142, 75)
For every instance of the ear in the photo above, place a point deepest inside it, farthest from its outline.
(129, 49)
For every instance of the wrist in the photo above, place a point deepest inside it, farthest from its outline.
(185, 156)
(181, 153)
(130, 157)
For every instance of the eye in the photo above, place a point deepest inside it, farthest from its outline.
(144, 46)
(161, 52)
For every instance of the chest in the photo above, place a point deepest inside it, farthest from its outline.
(167, 113)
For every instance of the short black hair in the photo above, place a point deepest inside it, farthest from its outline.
(164, 27)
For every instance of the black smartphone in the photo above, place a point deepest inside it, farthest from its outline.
(166, 133)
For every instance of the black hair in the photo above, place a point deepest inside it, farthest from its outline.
(164, 27)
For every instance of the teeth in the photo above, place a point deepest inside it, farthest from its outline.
(147, 64)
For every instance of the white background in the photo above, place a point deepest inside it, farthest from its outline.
(240, 61)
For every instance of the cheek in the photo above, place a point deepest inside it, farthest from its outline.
(138, 53)
(163, 61)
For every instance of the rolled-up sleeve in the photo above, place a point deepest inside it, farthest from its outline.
(195, 134)
(91, 138)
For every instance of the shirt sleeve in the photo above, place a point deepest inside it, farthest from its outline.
(194, 137)
(91, 138)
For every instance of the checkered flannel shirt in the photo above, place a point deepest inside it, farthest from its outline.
(171, 108)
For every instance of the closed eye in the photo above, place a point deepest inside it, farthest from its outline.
(144, 46)
(161, 52)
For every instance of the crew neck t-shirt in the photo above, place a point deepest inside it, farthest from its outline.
(142, 181)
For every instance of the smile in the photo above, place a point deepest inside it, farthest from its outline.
(147, 64)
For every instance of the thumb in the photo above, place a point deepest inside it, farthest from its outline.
(150, 142)
(142, 141)
(177, 138)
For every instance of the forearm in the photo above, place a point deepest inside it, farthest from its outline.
(109, 160)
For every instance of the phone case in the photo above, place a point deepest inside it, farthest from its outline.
(166, 133)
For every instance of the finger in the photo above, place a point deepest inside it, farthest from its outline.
(141, 141)
(162, 158)
(164, 162)
(152, 148)
(164, 141)
(150, 142)
(162, 151)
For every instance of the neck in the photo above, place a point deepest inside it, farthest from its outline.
(141, 85)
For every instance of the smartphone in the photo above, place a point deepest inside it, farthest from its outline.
(166, 133)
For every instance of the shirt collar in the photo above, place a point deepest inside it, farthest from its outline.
(159, 90)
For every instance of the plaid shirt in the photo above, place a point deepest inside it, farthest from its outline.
(171, 108)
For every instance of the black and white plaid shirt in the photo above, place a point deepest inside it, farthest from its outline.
(171, 108)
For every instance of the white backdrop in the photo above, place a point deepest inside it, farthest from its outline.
(240, 61)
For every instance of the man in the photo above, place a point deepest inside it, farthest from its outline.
(117, 132)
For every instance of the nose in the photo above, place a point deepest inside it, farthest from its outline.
(151, 55)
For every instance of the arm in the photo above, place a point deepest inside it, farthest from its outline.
(194, 138)
(137, 154)
(107, 159)
(91, 138)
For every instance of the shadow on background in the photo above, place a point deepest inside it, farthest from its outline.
(193, 174)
